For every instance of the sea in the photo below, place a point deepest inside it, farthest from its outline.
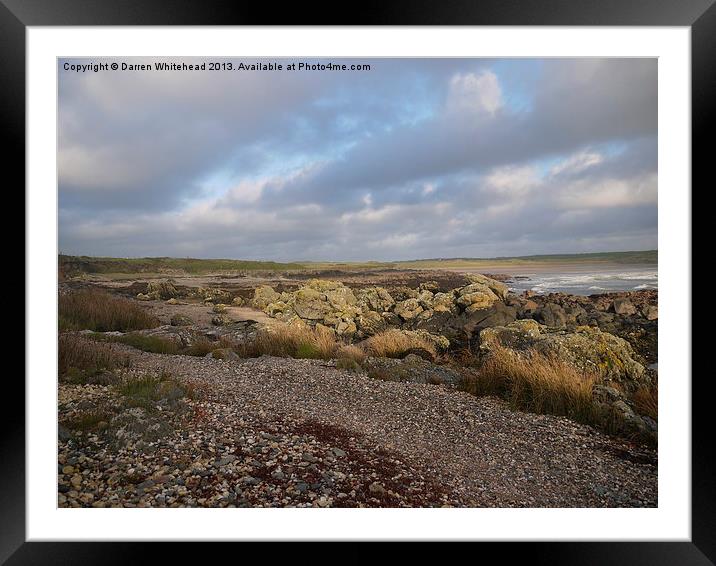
(587, 282)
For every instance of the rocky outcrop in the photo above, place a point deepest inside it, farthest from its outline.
(631, 315)
(264, 296)
(162, 290)
(587, 348)
(370, 310)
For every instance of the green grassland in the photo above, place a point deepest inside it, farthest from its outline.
(649, 257)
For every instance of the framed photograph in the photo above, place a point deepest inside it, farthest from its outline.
(411, 277)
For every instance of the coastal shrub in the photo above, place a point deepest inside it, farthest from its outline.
(100, 311)
(396, 344)
(535, 382)
(291, 341)
(79, 359)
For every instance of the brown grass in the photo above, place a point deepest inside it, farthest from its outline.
(395, 344)
(352, 353)
(535, 382)
(80, 358)
(291, 341)
(102, 312)
(646, 401)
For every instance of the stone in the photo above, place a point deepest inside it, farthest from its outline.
(376, 489)
(650, 312)
(499, 289)
(375, 299)
(237, 301)
(408, 309)
(623, 306)
(263, 296)
(443, 302)
(311, 304)
(552, 315)
(370, 322)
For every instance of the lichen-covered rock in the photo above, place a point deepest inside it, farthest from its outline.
(370, 322)
(587, 348)
(497, 287)
(443, 302)
(408, 309)
(425, 298)
(375, 299)
(311, 304)
(162, 290)
(476, 296)
(263, 296)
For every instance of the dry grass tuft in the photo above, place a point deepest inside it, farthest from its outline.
(80, 359)
(646, 401)
(396, 344)
(352, 353)
(97, 310)
(291, 341)
(535, 382)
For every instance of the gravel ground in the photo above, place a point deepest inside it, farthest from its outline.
(284, 432)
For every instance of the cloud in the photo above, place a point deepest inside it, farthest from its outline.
(474, 93)
(416, 158)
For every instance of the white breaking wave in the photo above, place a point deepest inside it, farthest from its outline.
(588, 283)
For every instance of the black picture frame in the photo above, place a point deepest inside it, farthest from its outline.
(17, 15)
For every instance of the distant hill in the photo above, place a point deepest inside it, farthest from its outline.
(75, 265)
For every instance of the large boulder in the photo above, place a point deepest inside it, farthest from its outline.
(552, 315)
(443, 302)
(623, 306)
(311, 304)
(263, 296)
(497, 287)
(376, 299)
(371, 322)
(408, 309)
(587, 348)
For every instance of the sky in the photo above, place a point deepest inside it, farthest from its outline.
(414, 158)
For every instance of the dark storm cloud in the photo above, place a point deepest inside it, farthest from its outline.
(415, 158)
